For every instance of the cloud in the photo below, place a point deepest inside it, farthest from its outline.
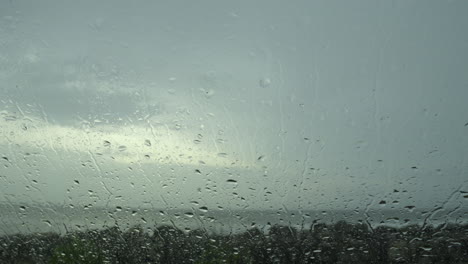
(148, 143)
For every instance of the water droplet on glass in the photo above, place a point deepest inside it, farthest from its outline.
(265, 82)
(189, 214)
(48, 223)
(122, 148)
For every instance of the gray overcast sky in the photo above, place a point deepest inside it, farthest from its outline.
(306, 104)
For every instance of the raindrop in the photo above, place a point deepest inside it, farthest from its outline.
(106, 143)
(265, 82)
(77, 181)
(231, 181)
(427, 249)
(222, 154)
(148, 143)
(203, 209)
(209, 93)
(189, 214)
(48, 223)
(198, 171)
(122, 148)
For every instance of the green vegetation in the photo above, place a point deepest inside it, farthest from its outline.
(341, 242)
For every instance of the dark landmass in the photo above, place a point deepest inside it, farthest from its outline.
(341, 242)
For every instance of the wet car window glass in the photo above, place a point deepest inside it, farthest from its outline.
(233, 131)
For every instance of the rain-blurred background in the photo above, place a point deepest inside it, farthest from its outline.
(231, 114)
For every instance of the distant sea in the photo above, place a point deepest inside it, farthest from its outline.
(30, 219)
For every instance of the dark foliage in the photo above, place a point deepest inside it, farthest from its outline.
(341, 242)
